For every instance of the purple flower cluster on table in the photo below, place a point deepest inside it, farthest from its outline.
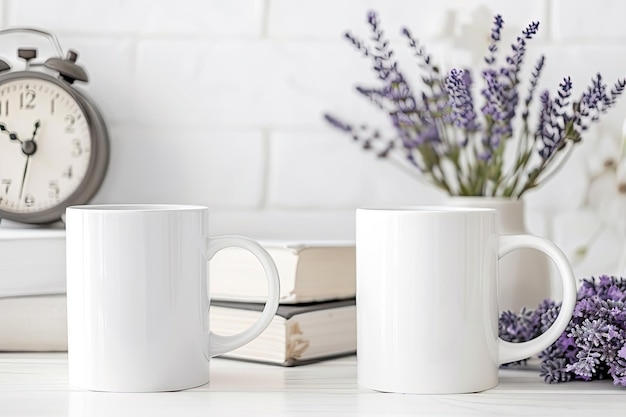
(593, 346)
(460, 149)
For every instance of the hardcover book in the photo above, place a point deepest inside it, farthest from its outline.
(37, 323)
(309, 272)
(298, 334)
(32, 261)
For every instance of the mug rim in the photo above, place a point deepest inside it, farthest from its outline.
(428, 209)
(135, 208)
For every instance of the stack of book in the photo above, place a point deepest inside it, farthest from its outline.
(33, 313)
(316, 318)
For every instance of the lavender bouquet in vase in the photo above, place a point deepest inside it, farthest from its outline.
(464, 149)
(484, 152)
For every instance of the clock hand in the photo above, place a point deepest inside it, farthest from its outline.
(24, 176)
(12, 135)
(29, 147)
(37, 124)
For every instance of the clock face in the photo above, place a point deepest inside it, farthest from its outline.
(45, 145)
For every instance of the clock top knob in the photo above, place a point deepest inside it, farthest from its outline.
(68, 69)
(27, 53)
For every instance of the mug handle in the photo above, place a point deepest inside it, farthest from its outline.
(220, 344)
(511, 352)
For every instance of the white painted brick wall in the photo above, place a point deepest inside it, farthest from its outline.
(141, 17)
(583, 22)
(186, 165)
(324, 170)
(220, 102)
(430, 19)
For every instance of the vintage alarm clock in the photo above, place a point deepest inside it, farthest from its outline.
(54, 146)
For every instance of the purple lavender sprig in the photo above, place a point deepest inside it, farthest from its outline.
(414, 124)
(502, 98)
(534, 81)
(510, 73)
(562, 122)
(495, 39)
(460, 147)
(593, 346)
(368, 138)
(458, 86)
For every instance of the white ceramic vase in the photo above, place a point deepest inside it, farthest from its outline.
(525, 274)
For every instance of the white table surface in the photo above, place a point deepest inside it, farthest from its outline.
(35, 384)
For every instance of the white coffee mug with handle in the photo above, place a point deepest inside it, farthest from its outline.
(427, 310)
(137, 297)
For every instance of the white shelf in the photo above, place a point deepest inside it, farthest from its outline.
(33, 384)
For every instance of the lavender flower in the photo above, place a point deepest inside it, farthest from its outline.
(554, 120)
(496, 115)
(432, 77)
(369, 139)
(534, 80)
(593, 346)
(554, 370)
(495, 39)
(510, 96)
(458, 85)
(461, 150)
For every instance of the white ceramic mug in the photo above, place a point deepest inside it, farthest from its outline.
(137, 297)
(427, 310)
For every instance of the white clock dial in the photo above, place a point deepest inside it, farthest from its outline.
(45, 145)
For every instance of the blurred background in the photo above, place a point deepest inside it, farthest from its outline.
(220, 103)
